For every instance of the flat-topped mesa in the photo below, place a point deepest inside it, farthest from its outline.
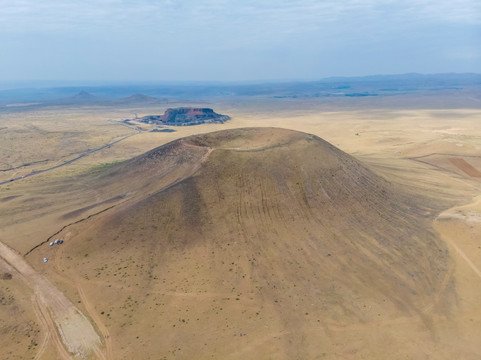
(186, 116)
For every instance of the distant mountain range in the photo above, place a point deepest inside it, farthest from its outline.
(461, 85)
(85, 98)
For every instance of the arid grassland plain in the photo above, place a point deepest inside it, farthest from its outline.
(298, 229)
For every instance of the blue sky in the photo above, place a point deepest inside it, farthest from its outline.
(197, 40)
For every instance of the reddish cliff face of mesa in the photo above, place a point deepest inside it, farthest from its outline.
(191, 111)
(187, 116)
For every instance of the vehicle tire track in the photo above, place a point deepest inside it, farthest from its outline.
(44, 326)
(81, 156)
(69, 328)
(93, 315)
(464, 256)
(44, 317)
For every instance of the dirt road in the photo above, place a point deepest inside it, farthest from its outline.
(93, 314)
(63, 323)
(69, 161)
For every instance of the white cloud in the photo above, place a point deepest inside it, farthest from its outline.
(34, 15)
(188, 34)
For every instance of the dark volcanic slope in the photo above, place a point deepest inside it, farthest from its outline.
(271, 232)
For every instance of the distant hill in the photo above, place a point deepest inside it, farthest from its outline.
(84, 96)
(81, 98)
(137, 99)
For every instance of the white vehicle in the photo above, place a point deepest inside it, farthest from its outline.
(45, 260)
(51, 244)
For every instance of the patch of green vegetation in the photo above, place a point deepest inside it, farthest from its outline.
(104, 166)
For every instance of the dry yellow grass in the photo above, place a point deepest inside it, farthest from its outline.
(410, 148)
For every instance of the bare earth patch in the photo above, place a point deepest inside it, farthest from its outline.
(466, 167)
(76, 332)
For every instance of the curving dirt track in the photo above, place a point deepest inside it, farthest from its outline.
(45, 329)
(81, 156)
(63, 323)
(93, 314)
(49, 328)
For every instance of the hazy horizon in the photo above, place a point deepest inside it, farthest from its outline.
(164, 41)
(120, 82)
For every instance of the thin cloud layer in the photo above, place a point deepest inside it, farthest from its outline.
(205, 36)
